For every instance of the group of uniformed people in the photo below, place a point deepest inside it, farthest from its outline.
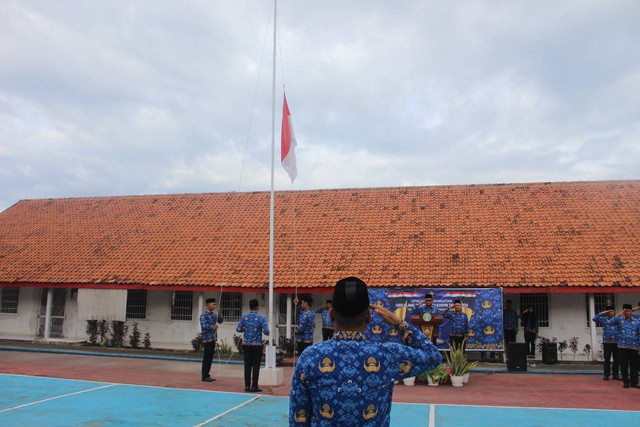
(621, 341)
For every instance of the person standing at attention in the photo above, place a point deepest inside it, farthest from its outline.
(306, 323)
(327, 324)
(607, 320)
(209, 320)
(253, 325)
(459, 324)
(348, 380)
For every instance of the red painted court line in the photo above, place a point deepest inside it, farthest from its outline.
(518, 390)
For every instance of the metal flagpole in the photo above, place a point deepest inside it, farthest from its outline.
(270, 360)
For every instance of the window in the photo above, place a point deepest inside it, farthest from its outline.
(231, 306)
(136, 304)
(540, 303)
(9, 303)
(601, 301)
(182, 305)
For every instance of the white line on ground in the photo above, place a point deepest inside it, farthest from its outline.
(57, 397)
(226, 412)
(432, 415)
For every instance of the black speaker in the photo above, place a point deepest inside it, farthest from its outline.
(517, 356)
(549, 353)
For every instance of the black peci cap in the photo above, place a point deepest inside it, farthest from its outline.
(210, 300)
(457, 301)
(307, 299)
(429, 295)
(350, 296)
(627, 307)
(610, 307)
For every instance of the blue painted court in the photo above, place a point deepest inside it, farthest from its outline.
(28, 400)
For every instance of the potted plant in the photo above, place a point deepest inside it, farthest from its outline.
(573, 346)
(456, 361)
(467, 368)
(410, 381)
(436, 376)
(562, 346)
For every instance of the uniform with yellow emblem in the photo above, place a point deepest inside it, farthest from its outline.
(349, 379)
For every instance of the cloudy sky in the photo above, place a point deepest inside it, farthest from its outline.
(145, 97)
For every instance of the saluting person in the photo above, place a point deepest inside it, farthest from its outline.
(459, 324)
(628, 345)
(327, 324)
(253, 325)
(209, 320)
(510, 322)
(306, 323)
(607, 320)
(348, 380)
(426, 306)
(530, 326)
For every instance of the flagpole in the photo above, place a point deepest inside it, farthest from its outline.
(270, 359)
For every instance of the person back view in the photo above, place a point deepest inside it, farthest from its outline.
(348, 380)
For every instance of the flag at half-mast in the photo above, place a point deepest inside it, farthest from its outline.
(288, 143)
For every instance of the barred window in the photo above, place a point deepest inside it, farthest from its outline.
(136, 304)
(231, 306)
(601, 301)
(182, 305)
(9, 301)
(540, 303)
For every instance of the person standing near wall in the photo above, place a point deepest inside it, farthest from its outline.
(327, 324)
(459, 324)
(306, 323)
(628, 345)
(530, 326)
(608, 321)
(426, 306)
(510, 322)
(209, 320)
(253, 325)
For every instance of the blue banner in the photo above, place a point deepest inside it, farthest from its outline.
(483, 308)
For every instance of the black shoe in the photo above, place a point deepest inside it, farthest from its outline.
(617, 378)
(247, 390)
(256, 390)
(625, 386)
(635, 386)
(208, 380)
(606, 378)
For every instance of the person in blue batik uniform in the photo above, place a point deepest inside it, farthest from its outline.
(348, 380)
(459, 324)
(327, 324)
(510, 319)
(306, 323)
(253, 324)
(606, 319)
(209, 320)
(636, 315)
(426, 306)
(628, 345)
(530, 326)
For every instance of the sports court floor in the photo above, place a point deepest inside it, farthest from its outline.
(28, 400)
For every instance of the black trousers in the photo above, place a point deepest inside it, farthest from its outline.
(207, 358)
(457, 341)
(327, 333)
(628, 358)
(610, 349)
(530, 340)
(509, 336)
(252, 359)
(301, 345)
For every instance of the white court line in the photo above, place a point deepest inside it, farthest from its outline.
(432, 415)
(56, 397)
(226, 412)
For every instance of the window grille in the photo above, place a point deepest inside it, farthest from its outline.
(231, 306)
(540, 303)
(182, 305)
(9, 301)
(601, 301)
(136, 304)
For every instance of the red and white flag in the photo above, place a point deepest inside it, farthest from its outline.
(288, 143)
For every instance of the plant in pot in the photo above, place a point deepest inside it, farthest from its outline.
(562, 346)
(456, 361)
(436, 376)
(467, 368)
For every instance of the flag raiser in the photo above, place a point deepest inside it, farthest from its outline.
(288, 143)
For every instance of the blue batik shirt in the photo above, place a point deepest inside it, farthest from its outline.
(459, 322)
(628, 332)
(208, 319)
(348, 380)
(306, 326)
(326, 318)
(609, 327)
(530, 323)
(422, 309)
(253, 325)
(510, 319)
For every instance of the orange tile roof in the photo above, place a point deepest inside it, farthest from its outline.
(513, 235)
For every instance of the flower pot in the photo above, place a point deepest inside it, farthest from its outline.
(456, 380)
(409, 381)
(465, 378)
(431, 383)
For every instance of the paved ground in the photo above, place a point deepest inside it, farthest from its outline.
(512, 389)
